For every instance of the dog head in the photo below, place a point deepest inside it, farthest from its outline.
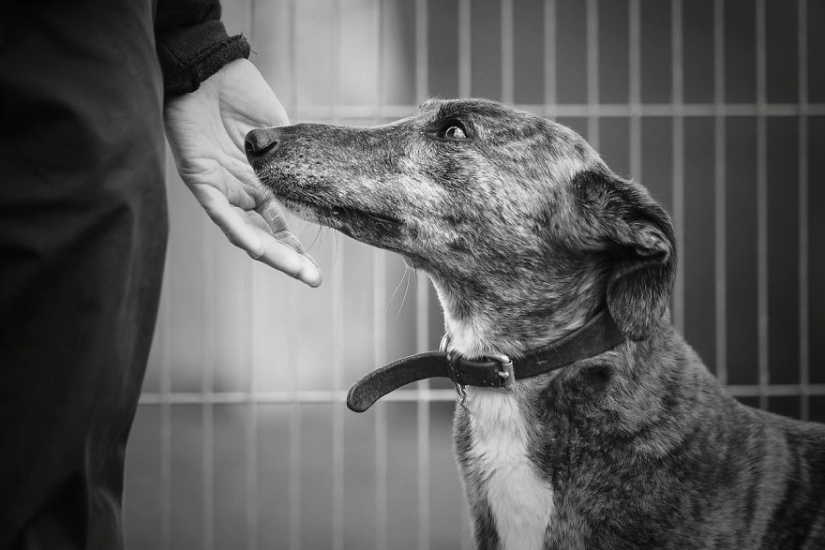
(510, 213)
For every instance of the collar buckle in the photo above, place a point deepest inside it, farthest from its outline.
(460, 388)
(505, 371)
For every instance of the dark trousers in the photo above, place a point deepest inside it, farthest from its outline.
(83, 227)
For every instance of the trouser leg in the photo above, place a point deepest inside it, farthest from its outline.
(82, 240)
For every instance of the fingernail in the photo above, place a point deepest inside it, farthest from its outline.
(310, 274)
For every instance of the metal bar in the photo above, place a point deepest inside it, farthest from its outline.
(207, 372)
(337, 277)
(379, 354)
(678, 159)
(423, 415)
(337, 313)
(422, 309)
(293, 307)
(423, 419)
(294, 104)
(422, 83)
(399, 396)
(762, 202)
(720, 211)
(550, 70)
(379, 54)
(294, 456)
(379, 335)
(252, 417)
(392, 112)
(252, 409)
(804, 312)
(635, 92)
(507, 52)
(593, 72)
(381, 500)
(389, 113)
(786, 390)
(465, 536)
(465, 75)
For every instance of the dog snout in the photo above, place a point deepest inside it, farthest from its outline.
(261, 142)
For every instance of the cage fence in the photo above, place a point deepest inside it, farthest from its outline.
(242, 439)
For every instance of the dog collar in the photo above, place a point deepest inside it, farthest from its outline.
(599, 335)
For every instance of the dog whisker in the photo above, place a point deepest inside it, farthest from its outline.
(404, 277)
(318, 232)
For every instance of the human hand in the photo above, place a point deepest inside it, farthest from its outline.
(206, 130)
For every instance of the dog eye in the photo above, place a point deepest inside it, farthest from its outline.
(455, 132)
(452, 130)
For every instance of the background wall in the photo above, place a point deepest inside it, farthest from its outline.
(242, 439)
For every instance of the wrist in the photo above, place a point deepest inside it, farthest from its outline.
(185, 66)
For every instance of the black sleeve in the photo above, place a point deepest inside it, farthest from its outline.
(192, 43)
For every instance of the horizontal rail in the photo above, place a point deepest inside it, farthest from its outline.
(285, 397)
(380, 112)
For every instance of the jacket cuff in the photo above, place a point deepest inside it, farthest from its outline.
(190, 56)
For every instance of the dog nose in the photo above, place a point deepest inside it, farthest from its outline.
(262, 141)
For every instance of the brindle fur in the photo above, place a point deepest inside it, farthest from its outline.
(526, 234)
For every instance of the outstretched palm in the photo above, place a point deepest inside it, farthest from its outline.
(206, 130)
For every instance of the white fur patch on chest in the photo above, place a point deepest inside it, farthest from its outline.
(520, 501)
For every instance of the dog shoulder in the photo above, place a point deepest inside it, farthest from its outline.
(792, 483)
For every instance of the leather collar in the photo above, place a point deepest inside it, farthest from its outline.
(599, 335)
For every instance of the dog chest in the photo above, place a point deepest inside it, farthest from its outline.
(520, 501)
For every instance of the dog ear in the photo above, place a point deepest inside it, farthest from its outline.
(637, 235)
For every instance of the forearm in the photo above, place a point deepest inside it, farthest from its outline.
(192, 43)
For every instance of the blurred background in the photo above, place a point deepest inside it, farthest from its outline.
(242, 439)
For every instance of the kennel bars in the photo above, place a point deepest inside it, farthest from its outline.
(164, 395)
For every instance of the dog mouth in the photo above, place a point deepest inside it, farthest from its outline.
(343, 218)
(355, 216)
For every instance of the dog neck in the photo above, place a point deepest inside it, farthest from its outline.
(486, 321)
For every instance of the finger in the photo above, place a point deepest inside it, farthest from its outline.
(276, 228)
(269, 217)
(273, 252)
(258, 244)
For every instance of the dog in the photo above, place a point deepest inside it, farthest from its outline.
(528, 236)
